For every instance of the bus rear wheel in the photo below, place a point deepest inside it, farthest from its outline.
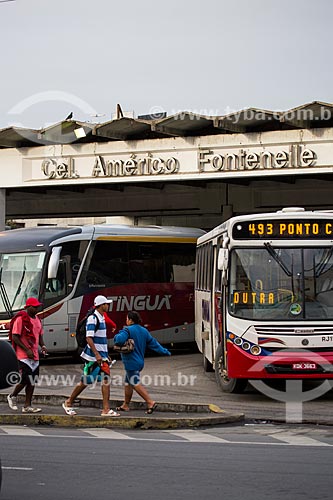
(230, 385)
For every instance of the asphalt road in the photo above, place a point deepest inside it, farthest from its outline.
(252, 462)
(180, 378)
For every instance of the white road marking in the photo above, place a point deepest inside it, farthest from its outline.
(17, 468)
(196, 436)
(16, 430)
(281, 436)
(297, 439)
(106, 434)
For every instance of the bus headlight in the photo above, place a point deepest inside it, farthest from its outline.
(246, 346)
(255, 350)
(238, 341)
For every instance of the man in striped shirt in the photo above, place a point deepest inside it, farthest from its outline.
(95, 355)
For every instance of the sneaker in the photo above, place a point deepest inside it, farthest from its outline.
(30, 409)
(12, 402)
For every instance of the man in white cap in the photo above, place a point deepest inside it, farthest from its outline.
(96, 358)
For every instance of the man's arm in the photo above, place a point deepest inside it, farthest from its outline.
(42, 345)
(91, 344)
(90, 333)
(17, 340)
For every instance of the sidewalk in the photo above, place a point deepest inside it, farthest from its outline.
(186, 397)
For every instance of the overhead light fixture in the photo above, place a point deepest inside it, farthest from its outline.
(79, 133)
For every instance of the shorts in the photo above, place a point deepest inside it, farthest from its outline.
(28, 376)
(132, 377)
(92, 372)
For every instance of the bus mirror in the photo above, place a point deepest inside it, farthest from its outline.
(54, 262)
(223, 259)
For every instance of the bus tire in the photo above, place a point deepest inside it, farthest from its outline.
(230, 385)
(207, 365)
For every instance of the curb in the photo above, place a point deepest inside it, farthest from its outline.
(120, 422)
(193, 415)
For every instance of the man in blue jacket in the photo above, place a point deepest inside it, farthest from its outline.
(134, 361)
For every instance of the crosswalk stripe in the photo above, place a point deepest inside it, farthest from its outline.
(197, 436)
(106, 434)
(281, 437)
(14, 430)
(297, 439)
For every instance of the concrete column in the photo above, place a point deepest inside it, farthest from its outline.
(227, 212)
(2, 209)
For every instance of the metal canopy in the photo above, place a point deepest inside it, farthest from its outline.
(249, 120)
(185, 123)
(124, 129)
(316, 114)
(66, 132)
(16, 137)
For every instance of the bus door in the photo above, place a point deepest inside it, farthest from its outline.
(219, 305)
(208, 307)
(55, 316)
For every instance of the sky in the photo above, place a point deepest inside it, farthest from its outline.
(210, 57)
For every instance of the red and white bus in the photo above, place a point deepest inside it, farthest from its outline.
(147, 269)
(264, 297)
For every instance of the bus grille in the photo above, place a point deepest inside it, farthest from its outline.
(295, 330)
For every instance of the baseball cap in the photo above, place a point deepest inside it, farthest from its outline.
(100, 299)
(32, 301)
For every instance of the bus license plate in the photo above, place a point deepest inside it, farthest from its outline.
(304, 366)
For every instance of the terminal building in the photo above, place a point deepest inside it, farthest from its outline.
(184, 170)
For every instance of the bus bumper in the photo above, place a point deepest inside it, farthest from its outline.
(283, 364)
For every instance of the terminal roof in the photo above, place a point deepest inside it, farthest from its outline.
(311, 115)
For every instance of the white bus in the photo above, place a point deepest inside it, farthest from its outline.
(264, 297)
(147, 269)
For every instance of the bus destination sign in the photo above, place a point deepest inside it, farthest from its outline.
(283, 229)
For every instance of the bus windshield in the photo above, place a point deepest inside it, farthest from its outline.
(21, 275)
(283, 284)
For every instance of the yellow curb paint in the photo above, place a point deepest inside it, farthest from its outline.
(215, 409)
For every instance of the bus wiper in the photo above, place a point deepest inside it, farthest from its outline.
(19, 288)
(324, 263)
(273, 253)
(4, 297)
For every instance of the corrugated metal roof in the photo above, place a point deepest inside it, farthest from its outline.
(16, 137)
(316, 114)
(185, 123)
(124, 129)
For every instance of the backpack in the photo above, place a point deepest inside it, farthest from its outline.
(81, 331)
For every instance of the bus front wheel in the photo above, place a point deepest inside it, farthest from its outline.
(231, 385)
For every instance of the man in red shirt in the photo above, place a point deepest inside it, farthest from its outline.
(27, 335)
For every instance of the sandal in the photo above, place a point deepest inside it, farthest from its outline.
(120, 408)
(151, 409)
(110, 413)
(68, 410)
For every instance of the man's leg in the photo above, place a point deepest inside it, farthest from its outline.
(18, 388)
(76, 392)
(29, 390)
(12, 398)
(142, 391)
(105, 386)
